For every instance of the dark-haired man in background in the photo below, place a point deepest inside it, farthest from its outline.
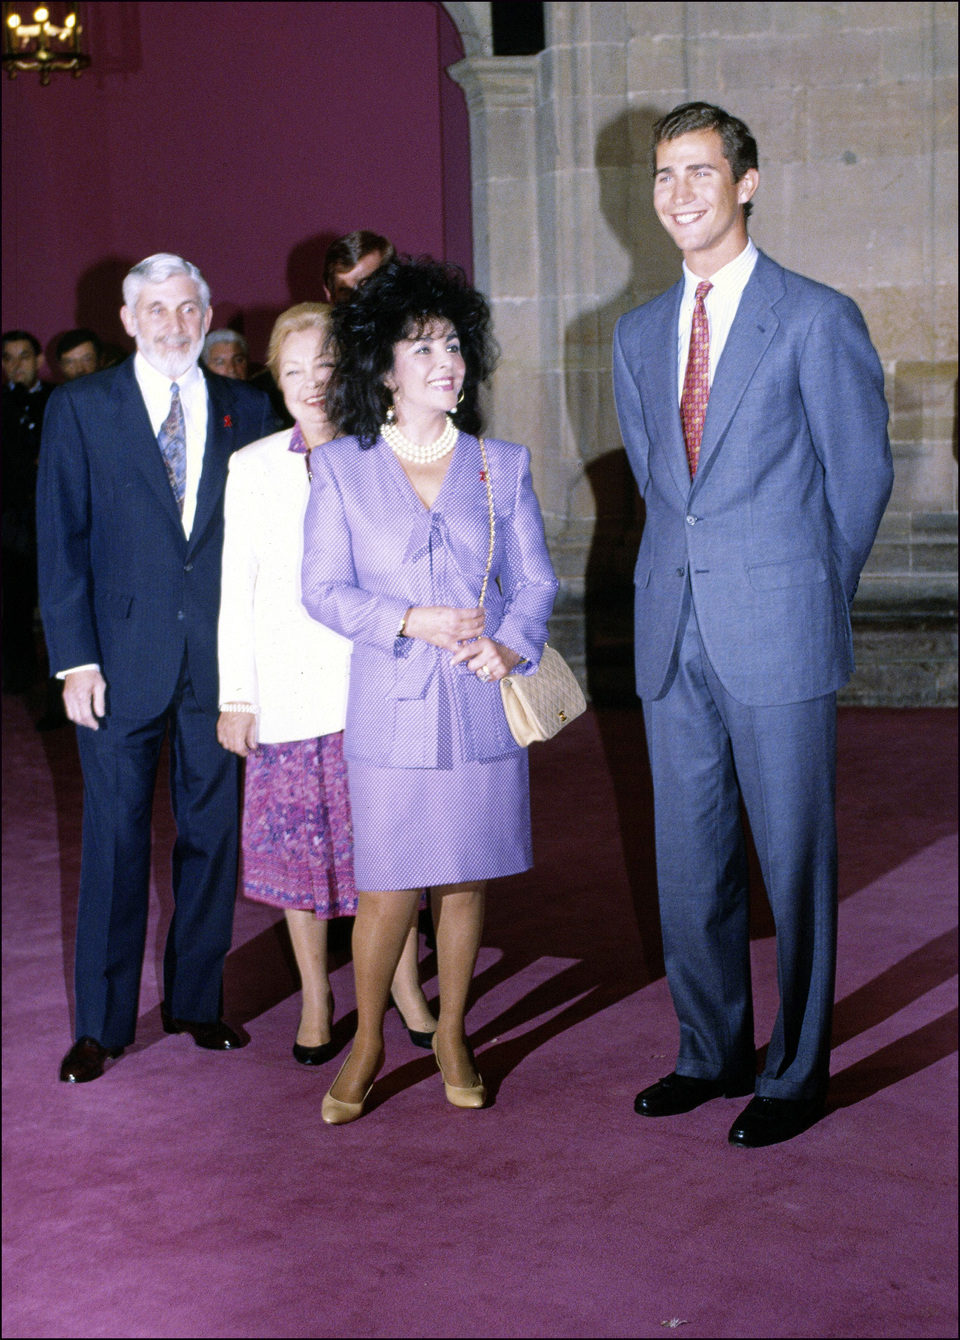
(351, 259)
(24, 402)
(79, 352)
(751, 405)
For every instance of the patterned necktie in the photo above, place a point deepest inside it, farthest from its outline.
(172, 440)
(696, 383)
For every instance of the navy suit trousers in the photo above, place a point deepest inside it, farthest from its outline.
(706, 750)
(120, 762)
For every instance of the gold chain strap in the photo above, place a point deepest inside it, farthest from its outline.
(486, 480)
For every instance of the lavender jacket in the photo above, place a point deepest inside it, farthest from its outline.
(372, 550)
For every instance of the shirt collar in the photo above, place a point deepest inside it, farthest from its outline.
(298, 442)
(730, 278)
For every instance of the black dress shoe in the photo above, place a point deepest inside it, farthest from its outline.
(418, 1039)
(682, 1093)
(85, 1061)
(770, 1121)
(315, 1055)
(215, 1037)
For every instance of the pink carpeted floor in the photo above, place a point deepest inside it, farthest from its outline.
(189, 1193)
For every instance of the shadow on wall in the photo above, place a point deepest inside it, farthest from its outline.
(623, 171)
(304, 275)
(98, 302)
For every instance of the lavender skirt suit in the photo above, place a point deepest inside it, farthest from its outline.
(439, 787)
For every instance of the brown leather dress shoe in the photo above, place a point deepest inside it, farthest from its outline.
(85, 1061)
(682, 1093)
(215, 1037)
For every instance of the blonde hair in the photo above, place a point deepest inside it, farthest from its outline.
(302, 316)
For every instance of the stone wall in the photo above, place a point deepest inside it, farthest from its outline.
(854, 109)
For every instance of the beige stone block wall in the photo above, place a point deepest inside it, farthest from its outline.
(854, 109)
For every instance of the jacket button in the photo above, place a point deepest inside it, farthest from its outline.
(180, 614)
(681, 571)
(692, 520)
(188, 567)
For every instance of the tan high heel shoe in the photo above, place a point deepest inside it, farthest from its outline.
(474, 1096)
(334, 1111)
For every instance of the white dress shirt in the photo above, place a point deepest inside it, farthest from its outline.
(291, 669)
(155, 387)
(721, 305)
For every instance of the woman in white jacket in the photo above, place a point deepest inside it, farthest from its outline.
(283, 692)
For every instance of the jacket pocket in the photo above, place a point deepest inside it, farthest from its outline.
(116, 605)
(786, 572)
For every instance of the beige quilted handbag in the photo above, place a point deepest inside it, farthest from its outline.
(537, 706)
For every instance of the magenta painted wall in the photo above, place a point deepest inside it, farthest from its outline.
(243, 136)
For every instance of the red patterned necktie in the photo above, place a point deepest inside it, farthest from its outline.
(696, 382)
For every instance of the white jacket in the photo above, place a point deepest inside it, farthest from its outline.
(272, 653)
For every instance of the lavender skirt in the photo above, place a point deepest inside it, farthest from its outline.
(297, 836)
(425, 826)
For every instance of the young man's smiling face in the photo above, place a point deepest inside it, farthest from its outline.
(698, 202)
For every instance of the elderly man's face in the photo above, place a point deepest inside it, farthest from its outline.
(168, 323)
(20, 363)
(228, 359)
(79, 361)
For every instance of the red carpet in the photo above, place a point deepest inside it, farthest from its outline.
(190, 1193)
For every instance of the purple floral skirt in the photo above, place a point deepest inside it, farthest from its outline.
(297, 837)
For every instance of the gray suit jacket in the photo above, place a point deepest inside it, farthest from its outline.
(794, 474)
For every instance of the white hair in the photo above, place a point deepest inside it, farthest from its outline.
(155, 269)
(225, 337)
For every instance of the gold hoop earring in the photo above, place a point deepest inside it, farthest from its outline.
(460, 398)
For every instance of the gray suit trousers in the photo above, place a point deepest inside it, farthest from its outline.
(706, 750)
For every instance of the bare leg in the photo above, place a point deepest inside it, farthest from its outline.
(458, 915)
(381, 927)
(406, 989)
(308, 935)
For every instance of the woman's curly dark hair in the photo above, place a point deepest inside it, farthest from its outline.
(397, 302)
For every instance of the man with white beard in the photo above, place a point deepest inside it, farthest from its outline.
(133, 463)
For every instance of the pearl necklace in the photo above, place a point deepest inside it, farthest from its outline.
(413, 451)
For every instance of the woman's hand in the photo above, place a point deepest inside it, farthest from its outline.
(443, 626)
(237, 731)
(487, 659)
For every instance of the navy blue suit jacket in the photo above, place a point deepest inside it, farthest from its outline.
(794, 474)
(120, 583)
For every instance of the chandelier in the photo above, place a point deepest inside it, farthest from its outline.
(38, 41)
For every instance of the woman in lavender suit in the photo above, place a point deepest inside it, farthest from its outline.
(397, 538)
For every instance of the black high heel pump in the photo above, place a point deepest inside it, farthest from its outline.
(424, 1040)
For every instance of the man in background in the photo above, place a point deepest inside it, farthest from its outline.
(351, 259)
(24, 402)
(79, 352)
(225, 352)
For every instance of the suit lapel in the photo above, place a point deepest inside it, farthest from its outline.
(658, 362)
(221, 439)
(754, 326)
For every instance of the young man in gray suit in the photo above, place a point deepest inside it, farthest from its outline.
(751, 405)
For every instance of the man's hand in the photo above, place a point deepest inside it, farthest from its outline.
(84, 697)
